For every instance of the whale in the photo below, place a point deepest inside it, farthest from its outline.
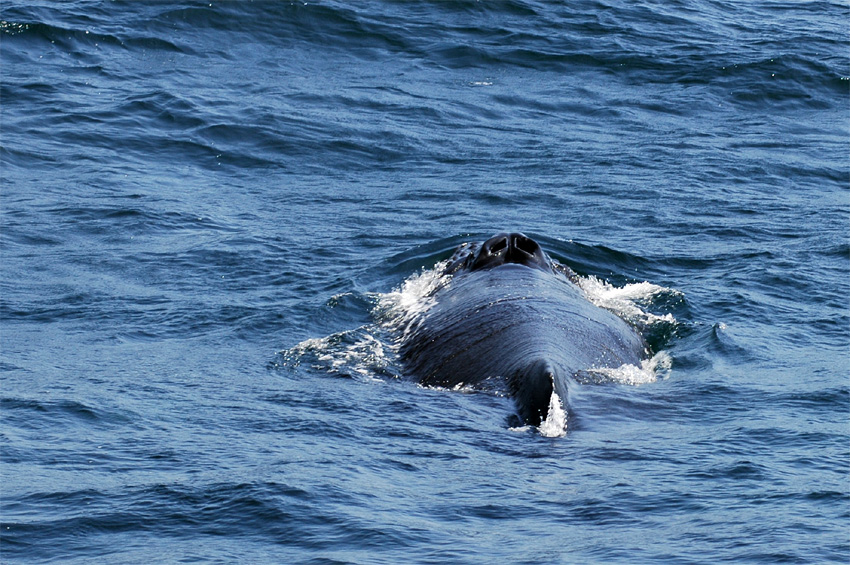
(509, 317)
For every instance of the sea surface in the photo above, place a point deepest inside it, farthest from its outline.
(212, 211)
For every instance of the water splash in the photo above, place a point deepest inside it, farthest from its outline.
(650, 370)
(626, 301)
(402, 309)
(555, 424)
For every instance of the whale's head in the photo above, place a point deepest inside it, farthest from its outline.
(509, 248)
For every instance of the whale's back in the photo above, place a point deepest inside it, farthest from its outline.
(518, 324)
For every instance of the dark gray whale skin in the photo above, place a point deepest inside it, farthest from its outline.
(510, 312)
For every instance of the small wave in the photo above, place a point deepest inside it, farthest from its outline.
(353, 353)
(31, 413)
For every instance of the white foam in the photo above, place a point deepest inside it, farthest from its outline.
(403, 308)
(555, 424)
(364, 358)
(624, 301)
(648, 372)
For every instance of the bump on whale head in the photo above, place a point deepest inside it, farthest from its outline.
(506, 249)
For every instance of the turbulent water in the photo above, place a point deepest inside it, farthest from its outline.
(214, 214)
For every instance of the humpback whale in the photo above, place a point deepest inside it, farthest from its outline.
(509, 312)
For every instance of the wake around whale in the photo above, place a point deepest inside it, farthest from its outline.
(507, 312)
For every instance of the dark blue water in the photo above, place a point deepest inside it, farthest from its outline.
(206, 207)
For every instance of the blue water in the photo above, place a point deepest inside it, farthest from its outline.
(204, 205)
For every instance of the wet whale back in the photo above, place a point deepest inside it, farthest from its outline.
(503, 322)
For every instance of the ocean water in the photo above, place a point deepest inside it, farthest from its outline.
(212, 212)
